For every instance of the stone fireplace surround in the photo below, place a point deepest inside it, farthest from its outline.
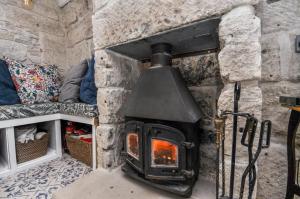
(209, 77)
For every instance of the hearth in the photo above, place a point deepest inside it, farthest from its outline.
(162, 128)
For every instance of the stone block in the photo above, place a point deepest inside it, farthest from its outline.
(80, 31)
(272, 109)
(207, 169)
(109, 159)
(49, 3)
(79, 52)
(240, 25)
(199, 70)
(5, 34)
(119, 21)
(110, 139)
(279, 16)
(26, 36)
(250, 99)
(44, 9)
(81, 8)
(22, 18)
(50, 26)
(279, 60)
(69, 15)
(35, 22)
(240, 62)
(109, 135)
(270, 68)
(110, 104)
(34, 54)
(206, 97)
(209, 151)
(13, 50)
(2, 11)
(251, 102)
(114, 70)
(52, 50)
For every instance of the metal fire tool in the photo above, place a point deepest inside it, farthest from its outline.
(247, 140)
(250, 171)
(237, 93)
(220, 141)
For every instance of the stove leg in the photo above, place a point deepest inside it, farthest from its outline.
(292, 130)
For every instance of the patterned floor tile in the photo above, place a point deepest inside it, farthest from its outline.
(42, 181)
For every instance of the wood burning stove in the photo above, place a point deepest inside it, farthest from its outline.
(162, 118)
(163, 153)
(162, 127)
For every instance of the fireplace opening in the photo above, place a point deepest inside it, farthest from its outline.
(162, 128)
(162, 119)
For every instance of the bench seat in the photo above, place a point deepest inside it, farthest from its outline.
(79, 109)
(20, 111)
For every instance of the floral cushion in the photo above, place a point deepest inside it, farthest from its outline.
(34, 83)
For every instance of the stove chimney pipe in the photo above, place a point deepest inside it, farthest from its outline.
(161, 55)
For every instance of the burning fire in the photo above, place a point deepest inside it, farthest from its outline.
(164, 153)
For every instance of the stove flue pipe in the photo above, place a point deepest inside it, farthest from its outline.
(161, 55)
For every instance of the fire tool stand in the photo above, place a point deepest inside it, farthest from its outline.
(293, 104)
(248, 137)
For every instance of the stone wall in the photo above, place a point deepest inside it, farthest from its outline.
(76, 18)
(47, 34)
(32, 36)
(280, 76)
(115, 78)
(118, 21)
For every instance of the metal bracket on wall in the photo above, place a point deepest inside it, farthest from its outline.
(194, 38)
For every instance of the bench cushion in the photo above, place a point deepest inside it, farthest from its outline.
(79, 109)
(23, 111)
(19, 111)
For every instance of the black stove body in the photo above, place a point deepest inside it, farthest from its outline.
(162, 128)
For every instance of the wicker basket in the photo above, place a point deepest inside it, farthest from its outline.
(32, 150)
(80, 150)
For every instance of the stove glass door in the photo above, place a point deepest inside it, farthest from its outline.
(164, 154)
(133, 146)
(165, 157)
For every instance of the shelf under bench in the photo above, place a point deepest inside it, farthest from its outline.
(8, 162)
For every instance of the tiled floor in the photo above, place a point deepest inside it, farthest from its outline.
(40, 182)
